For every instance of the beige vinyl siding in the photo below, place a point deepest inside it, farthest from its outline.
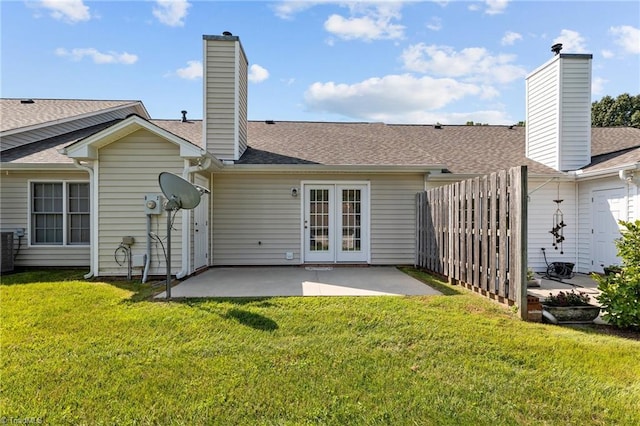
(242, 104)
(29, 136)
(14, 210)
(575, 114)
(256, 220)
(225, 91)
(128, 170)
(542, 115)
(393, 218)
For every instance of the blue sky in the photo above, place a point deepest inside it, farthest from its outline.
(389, 61)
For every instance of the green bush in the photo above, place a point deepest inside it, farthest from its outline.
(620, 298)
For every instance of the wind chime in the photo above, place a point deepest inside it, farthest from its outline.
(558, 224)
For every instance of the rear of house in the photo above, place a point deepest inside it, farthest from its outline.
(292, 193)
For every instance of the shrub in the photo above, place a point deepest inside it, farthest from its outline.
(620, 298)
(567, 299)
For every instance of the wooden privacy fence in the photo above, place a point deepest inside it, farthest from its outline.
(474, 232)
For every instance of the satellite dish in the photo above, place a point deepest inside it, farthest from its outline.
(182, 193)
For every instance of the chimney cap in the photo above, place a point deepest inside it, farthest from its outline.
(227, 33)
(556, 48)
(184, 115)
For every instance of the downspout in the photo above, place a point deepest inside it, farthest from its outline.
(576, 219)
(94, 212)
(186, 221)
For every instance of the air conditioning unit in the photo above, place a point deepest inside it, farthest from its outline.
(6, 247)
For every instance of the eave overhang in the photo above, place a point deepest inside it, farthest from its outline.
(37, 166)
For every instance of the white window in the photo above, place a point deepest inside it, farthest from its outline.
(60, 213)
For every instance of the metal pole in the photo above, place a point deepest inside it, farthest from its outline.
(168, 210)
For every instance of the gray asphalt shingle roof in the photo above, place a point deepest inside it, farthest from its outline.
(15, 114)
(459, 149)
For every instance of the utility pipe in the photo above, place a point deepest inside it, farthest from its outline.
(94, 214)
(147, 260)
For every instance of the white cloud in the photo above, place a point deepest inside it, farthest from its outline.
(435, 24)
(98, 57)
(171, 12)
(495, 7)
(192, 71)
(572, 41)
(607, 54)
(374, 24)
(597, 85)
(627, 37)
(393, 98)
(257, 74)
(510, 38)
(474, 64)
(70, 11)
(286, 9)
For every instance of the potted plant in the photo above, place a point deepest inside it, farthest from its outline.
(570, 307)
(532, 281)
(611, 269)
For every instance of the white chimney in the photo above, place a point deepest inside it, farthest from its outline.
(558, 117)
(225, 96)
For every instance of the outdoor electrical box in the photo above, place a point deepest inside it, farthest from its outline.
(138, 260)
(152, 204)
(128, 241)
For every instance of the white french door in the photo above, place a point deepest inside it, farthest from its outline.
(336, 223)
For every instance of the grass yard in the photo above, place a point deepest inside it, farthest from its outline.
(75, 352)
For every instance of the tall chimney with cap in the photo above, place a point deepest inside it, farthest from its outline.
(225, 96)
(558, 116)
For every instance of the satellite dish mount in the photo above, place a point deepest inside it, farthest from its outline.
(180, 194)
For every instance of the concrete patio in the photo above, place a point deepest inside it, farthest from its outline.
(579, 283)
(300, 281)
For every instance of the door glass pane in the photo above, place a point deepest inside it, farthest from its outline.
(319, 220)
(351, 220)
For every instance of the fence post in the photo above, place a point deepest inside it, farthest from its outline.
(519, 231)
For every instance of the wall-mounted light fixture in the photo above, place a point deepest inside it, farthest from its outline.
(294, 192)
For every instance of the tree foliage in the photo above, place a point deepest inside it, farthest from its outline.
(621, 111)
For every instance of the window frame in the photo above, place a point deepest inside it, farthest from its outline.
(66, 213)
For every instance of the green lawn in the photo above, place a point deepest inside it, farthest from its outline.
(76, 352)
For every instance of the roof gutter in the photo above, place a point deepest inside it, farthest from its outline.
(322, 168)
(619, 170)
(37, 166)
